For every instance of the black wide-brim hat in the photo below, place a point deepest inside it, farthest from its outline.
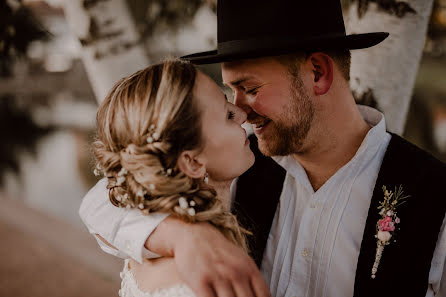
(249, 29)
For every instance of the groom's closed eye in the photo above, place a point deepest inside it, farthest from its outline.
(252, 91)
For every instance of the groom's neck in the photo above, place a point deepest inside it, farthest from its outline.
(335, 147)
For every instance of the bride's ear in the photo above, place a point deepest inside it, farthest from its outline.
(190, 163)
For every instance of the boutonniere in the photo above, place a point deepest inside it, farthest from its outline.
(385, 227)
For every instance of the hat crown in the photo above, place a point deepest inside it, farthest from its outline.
(250, 29)
(248, 19)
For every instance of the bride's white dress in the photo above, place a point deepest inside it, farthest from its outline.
(129, 287)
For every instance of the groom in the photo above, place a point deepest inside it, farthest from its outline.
(313, 206)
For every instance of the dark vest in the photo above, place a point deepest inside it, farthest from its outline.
(405, 264)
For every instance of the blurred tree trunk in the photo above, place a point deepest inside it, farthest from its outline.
(110, 41)
(383, 76)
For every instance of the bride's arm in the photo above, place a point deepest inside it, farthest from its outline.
(207, 261)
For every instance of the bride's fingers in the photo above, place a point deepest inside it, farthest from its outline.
(259, 286)
(204, 289)
(242, 288)
(223, 288)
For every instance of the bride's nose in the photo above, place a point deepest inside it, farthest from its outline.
(241, 115)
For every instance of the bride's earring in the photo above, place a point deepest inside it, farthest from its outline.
(206, 178)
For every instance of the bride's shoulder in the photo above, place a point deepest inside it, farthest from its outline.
(155, 277)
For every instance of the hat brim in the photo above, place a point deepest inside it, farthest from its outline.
(261, 48)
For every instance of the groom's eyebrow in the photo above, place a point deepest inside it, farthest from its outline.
(238, 81)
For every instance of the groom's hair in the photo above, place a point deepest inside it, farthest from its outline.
(342, 58)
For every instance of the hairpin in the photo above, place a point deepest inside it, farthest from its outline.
(97, 170)
(168, 172)
(152, 136)
(185, 206)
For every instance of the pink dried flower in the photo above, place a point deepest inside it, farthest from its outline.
(386, 224)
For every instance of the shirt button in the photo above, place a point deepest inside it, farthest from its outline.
(305, 253)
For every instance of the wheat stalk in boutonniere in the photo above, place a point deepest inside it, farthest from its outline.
(385, 227)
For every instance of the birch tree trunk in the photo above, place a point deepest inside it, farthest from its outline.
(110, 41)
(384, 75)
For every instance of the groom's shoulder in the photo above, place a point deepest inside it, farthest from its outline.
(414, 159)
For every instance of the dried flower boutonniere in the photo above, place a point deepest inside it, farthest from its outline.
(386, 225)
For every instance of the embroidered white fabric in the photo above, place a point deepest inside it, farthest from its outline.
(129, 287)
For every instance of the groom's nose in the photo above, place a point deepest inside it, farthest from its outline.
(242, 101)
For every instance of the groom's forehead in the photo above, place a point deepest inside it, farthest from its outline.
(237, 72)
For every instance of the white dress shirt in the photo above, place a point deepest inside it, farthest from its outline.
(315, 238)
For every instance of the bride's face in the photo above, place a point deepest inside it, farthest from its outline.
(226, 147)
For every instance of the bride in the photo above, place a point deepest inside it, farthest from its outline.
(169, 141)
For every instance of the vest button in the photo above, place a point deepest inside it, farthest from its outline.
(305, 253)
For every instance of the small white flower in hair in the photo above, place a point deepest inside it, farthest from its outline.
(152, 127)
(97, 170)
(141, 206)
(155, 136)
(120, 180)
(140, 193)
(126, 196)
(191, 211)
(152, 187)
(122, 172)
(192, 203)
(149, 140)
(131, 149)
(118, 198)
(169, 171)
(183, 202)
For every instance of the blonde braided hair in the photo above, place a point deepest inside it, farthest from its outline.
(157, 103)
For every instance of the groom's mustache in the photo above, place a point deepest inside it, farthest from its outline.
(255, 119)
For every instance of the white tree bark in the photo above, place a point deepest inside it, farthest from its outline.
(110, 41)
(389, 69)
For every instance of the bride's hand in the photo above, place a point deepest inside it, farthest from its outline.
(209, 263)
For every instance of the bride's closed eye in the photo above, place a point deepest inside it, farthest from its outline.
(231, 115)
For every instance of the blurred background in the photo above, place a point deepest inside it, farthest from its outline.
(57, 60)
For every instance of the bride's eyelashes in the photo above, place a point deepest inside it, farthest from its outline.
(231, 115)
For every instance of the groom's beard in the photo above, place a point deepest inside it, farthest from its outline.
(287, 135)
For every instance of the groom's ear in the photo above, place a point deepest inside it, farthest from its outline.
(191, 164)
(322, 68)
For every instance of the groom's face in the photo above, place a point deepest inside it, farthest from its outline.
(277, 103)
